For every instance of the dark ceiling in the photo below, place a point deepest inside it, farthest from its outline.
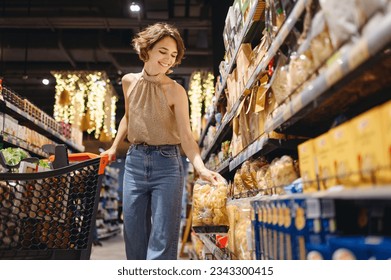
(38, 36)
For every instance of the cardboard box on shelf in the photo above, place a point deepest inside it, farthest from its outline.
(368, 137)
(384, 176)
(324, 161)
(344, 146)
(306, 152)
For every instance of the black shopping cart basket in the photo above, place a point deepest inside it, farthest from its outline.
(51, 214)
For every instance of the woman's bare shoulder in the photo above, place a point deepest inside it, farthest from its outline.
(130, 78)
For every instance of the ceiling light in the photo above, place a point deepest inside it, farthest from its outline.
(45, 82)
(134, 7)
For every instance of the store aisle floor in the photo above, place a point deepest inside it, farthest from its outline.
(113, 248)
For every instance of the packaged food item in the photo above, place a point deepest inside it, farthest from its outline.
(300, 68)
(307, 162)
(283, 171)
(240, 228)
(280, 85)
(320, 45)
(238, 183)
(342, 20)
(246, 175)
(209, 204)
(369, 138)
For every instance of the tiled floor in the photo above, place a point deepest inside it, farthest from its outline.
(112, 248)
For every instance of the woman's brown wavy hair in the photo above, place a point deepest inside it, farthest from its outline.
(147, 38)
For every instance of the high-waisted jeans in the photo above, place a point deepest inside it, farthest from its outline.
(152, 202)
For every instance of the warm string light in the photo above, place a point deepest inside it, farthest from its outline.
(201, 91)
(86, 97)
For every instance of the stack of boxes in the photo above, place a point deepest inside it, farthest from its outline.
(355, 153)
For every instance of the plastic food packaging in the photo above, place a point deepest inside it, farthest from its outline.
(209, 204)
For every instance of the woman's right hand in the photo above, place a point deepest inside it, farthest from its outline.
(111, 153)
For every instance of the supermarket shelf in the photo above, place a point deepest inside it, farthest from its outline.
(223, 129)
(223, 167)
(12, 109)
(281, 36)
(231, 64)
(359, 192)
(216, 251)
(243, 37)
(211, 120)
(210, 229)
(365, 48)
(263, 145)
(22, 144)
(285, 29)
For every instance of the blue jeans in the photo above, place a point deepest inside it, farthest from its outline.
(152, 202)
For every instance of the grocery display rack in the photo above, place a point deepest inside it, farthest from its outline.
(51, 214)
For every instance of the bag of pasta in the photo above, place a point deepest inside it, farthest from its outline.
(209, 204)
(240, 233)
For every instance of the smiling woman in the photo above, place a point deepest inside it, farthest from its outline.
(156, 123)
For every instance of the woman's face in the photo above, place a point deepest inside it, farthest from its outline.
(162, 56)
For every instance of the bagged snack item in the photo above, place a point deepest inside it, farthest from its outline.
(342, 19)
(255, 166)
(300, 68)
(365, 9)
(246, 175)
(238, 183)
(283, 171)
(279, 83)
(209, 204)
(262, 184)
(240, 237)
(320, 46)
(269, 182)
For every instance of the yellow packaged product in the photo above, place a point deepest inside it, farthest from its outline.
(370, 154)
(306, 153)
(384, 176)
(324, 159)
(344, 147)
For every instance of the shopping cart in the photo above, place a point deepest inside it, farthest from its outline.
(51, 214)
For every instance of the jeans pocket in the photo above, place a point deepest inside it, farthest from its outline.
(168, 153)
(130, 150)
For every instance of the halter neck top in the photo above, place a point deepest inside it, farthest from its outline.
(150, 119)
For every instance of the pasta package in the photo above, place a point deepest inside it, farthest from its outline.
(300, 68)
(209, 204)
(342, 19)
(320, 46)
(283, 171)
(240, 229)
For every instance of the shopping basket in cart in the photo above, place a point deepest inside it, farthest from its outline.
(51, 214)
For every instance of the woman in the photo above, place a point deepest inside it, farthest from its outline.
(156, 122)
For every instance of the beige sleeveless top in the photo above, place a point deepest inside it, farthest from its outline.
(150, 119)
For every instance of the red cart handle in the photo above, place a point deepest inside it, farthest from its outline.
(76, 157)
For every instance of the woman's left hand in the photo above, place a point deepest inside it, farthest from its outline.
(211, 176)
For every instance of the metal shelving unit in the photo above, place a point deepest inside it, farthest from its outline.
(362, 50)
(22, 144)
(47, 131)
(279, 40)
